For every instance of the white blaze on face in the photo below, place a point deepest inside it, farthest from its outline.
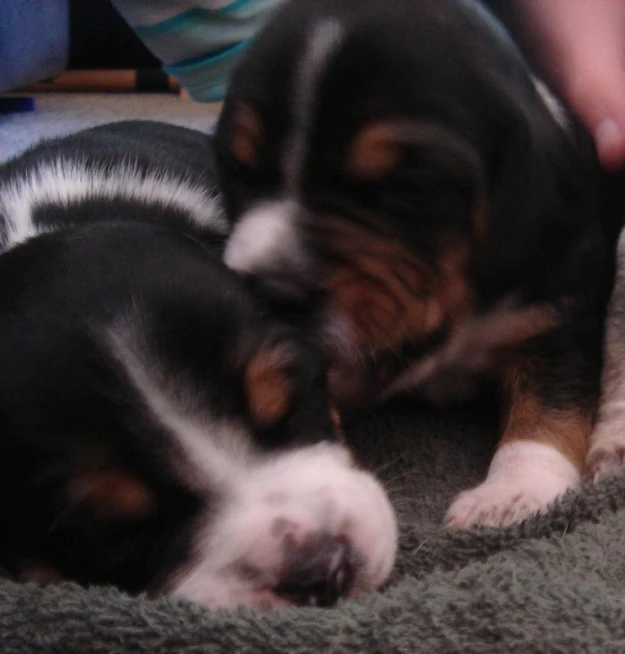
(267, 239)
(323, 43)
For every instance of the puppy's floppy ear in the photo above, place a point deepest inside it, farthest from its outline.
(539, 205)
(455, 171)
(425, 167)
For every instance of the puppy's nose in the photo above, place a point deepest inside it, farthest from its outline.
(318, 575)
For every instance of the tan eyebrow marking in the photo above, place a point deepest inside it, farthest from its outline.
(268, 386)
(113, 494)
(247, 135)
(375, 151)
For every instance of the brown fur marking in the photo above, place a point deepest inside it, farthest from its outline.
(528, 418)
(388, 295)
(268, 387)
(113, 494)
(335, 416)
(247, 133)
(375, 151)
(40, 574)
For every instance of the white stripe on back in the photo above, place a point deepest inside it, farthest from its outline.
(65, 182)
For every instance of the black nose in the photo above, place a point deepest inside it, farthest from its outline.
(318, 575)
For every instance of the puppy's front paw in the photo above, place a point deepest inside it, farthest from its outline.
(607, 451)
(499, 504)
(525, 478)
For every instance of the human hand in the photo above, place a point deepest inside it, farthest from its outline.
(583, 47)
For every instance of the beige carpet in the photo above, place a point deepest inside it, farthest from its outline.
(56, 114)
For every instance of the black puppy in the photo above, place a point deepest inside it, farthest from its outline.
(396, 170)
(159, 429)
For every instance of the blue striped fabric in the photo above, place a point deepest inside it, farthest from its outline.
(198, 41)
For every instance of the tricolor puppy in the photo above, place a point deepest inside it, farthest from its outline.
(395, 170)
(159, 429)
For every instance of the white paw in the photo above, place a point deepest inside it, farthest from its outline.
(607, 451)
(524, 479)
(497, 504)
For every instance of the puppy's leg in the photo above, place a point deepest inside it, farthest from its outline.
(607, 443)
(540, 454)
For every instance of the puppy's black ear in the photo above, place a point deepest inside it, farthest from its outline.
(426, 170)
(453, 169)
(542, 214)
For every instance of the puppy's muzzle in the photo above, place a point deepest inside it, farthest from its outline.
(318, 575)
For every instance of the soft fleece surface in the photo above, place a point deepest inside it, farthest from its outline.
(553, 584)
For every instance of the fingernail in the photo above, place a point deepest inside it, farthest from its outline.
(610, 142)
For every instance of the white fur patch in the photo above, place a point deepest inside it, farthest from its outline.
(524, 478)
(63, 183)
(213, 449)
(265, 239)
(324, 40)
(267, 503)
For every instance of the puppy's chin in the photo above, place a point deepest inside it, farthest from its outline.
(280, 529)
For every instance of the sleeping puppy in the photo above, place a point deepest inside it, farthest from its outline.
(395, 173)
(159, 429)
